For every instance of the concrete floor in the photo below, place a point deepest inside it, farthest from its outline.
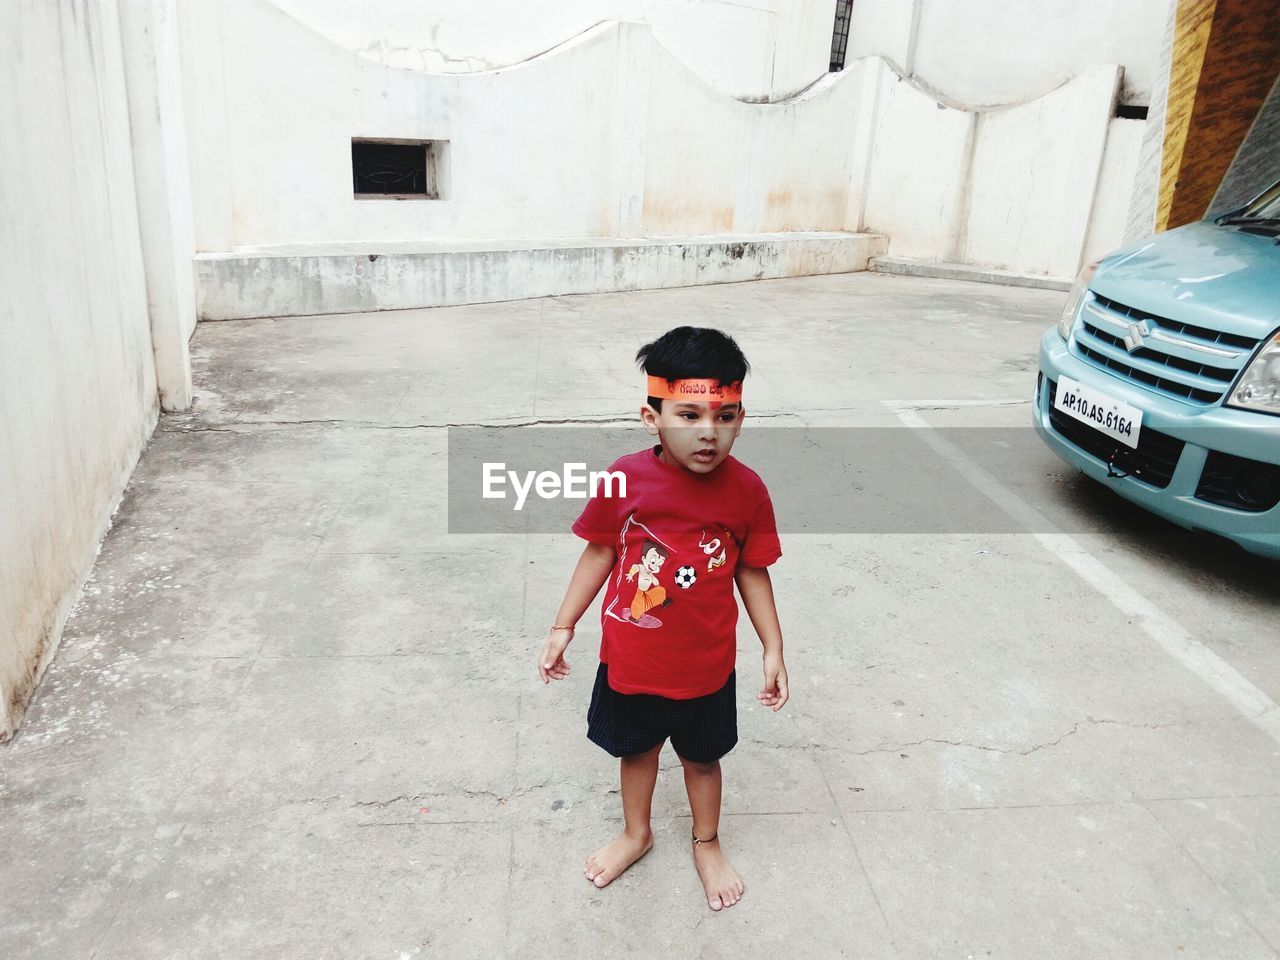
(294, 717)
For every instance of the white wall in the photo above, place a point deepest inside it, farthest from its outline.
(917, 196)
(1026, 188)
(77, 384)
(149, 34)
(527, 149)
(714, 165)
(982, 53)
(801, 43)
(749, 49)
(883, 28)
(608, 135)
(629, 129)
(1111, 203)
(1033, 177)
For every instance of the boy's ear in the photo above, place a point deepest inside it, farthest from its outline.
(649, 417)
(742, 414)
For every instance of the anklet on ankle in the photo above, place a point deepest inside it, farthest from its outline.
(696, 841)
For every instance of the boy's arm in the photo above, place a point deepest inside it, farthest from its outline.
(588, 576)
(757, 596)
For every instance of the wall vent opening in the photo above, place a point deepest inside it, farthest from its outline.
(1129, 111)
(399, 169)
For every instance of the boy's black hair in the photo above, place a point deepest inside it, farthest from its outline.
(693, 353)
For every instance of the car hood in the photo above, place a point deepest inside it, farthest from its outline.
(1201, 274)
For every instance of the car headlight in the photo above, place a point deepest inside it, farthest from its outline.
(1259, 385)
(1072, 306)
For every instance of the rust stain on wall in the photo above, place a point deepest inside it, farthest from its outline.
(685, 215)
(34, 626)
(778, 198)
(788, 210)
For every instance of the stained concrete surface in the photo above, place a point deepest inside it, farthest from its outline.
(293, 716)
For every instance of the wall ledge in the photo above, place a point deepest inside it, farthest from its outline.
(907, 267)
(323, 279)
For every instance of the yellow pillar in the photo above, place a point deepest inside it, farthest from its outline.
(1225, 58)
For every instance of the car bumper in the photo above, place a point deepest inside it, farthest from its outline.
(1205, 431)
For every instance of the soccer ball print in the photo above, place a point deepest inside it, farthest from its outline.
(685, 577)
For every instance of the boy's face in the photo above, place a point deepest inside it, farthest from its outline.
(693, 435)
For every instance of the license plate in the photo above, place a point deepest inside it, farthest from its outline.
(1115, 418)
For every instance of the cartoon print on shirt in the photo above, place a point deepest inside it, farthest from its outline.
(650, 594)
(642, 564)
(709, 547)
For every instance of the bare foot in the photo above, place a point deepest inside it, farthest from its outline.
(608, 863)
(720, 881)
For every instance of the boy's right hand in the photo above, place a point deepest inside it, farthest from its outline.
(552, 665)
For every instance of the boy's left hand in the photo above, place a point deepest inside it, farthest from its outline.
(774, 693)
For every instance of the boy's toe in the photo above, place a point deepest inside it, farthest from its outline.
(600, 879)
(714, 903)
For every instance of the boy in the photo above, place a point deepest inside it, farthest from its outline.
(694, 521)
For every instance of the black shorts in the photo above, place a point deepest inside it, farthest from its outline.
(702, 729)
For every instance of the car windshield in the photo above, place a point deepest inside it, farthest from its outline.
(1268, 211)
(1260, 216)
(1267, 206)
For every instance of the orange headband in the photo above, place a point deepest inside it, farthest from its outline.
(708, 390)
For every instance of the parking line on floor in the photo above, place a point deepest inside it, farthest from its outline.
(1170, 636)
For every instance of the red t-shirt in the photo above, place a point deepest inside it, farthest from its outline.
(669, 613)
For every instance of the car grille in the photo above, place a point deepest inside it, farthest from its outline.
(1237, 482)
(1153, 462)
(1180, 360)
